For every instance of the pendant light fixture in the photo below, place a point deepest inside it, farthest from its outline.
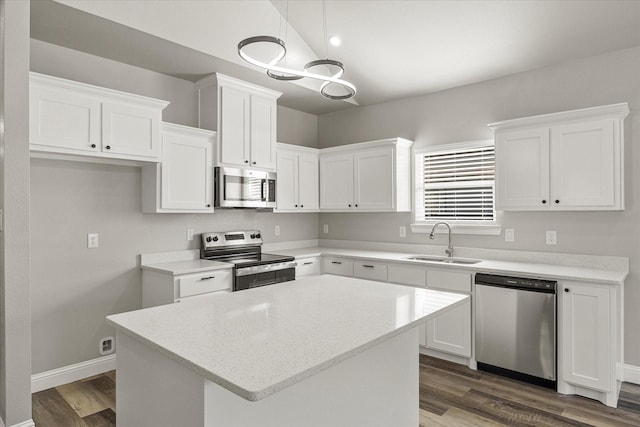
(332, 83)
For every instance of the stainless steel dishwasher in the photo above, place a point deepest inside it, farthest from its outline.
(516, 328)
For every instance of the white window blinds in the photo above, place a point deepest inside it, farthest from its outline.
(459, 184)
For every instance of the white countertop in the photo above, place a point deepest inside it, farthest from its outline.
(187, 266)
(259, 341)
(513, 268)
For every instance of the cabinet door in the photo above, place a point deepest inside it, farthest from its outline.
(374, 180)
(64, 119)
(451, 331)
(582, 164)
(130, 130)
(234, 127)
(287, 181)
(263, 132)
(522, 170)
(187, 172)
(336, 182)
(308, 185)
(585, 338)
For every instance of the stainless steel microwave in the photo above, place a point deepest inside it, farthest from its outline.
(244, 188)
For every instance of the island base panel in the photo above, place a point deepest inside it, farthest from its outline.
(377, 387)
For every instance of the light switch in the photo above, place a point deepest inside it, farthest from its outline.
(403, 231)
(277, 230)
(325, 228)
(189, 233)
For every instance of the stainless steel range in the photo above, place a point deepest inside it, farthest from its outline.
(243, 249)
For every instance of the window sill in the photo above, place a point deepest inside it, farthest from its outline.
(482, 229)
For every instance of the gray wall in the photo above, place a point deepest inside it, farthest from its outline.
(74, 288)
(461, 114)
(15, 319)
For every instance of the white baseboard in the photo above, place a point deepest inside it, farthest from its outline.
(71, 373)
(28, 423)
(632, 374)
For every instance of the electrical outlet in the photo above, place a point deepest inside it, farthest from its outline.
(106, 346)
(189, 233)
(277, 230)
(325, 228)
(509, 235)
(552, 238)
(403, 231)
(92, 240)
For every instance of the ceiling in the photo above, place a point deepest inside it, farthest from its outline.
(390, 50)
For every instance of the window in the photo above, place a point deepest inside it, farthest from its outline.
(455, 183)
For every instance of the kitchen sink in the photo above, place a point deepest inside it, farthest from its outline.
(445, 260)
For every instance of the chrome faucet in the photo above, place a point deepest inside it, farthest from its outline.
(449, 250)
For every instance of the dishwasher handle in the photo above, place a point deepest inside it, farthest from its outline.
(521, 283)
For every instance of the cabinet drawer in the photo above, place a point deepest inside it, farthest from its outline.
(413, 276)
(449, 280)
(210, 281)
(338, 266)
(308, 266)
(370, 270)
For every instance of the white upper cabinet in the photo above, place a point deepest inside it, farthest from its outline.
(183, 181)
(244, 116)
(297, 179)
(366, 177)
(563, 161)
(76, 119)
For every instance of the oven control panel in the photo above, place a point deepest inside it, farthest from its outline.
(231, 238)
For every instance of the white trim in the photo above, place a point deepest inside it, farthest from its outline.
(631, 374)
(28, 423)
(616, 111)
(484, 229)
(455, 146)
(71, 373)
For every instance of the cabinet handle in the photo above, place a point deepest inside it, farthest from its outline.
(302, 206)
(557, 201)
(208, 206)
(108, 147)
(254, 163)
(349, 205)
(207, 278)
(367, 266)
(566, 289)
(336, 262)
(246, 161)
(356, 206)
(544, 201)
(307, 263)
(295, 206)
(93, 145)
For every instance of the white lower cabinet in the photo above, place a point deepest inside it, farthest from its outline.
(370, 270)
(590, 340)
(308, 266)
(338, 266)
(412, 276)
(159, 288)
(450, 332)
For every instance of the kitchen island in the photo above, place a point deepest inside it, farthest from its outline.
(319, 351)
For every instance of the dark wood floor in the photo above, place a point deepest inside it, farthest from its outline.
(450, 395)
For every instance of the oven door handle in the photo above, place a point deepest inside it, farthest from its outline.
(245, 271)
